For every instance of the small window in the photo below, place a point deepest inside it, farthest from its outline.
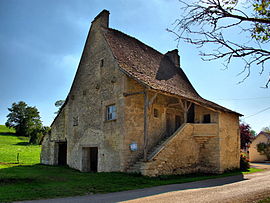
(111, 112)
(75, 121)
(101, 62)
(206, 118)
(156, 113)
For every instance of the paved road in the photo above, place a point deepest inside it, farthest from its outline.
(230, 189)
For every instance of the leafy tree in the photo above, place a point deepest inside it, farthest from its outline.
(59, 104)
(23, 118)
(266, 129)
(37, 134)
(245, 135)
(253, 133)
(264, 148)
(211, 23)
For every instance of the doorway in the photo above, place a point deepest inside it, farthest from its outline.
(89, 159)
(177, 122)
(191, 114)
(62, 153)
(169, 126)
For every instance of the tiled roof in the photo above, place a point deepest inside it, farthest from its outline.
(266, 134)
(152, 68)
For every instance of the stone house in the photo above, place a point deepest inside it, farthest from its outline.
(133, 109)
(254, 155)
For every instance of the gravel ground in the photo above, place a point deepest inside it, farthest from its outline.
(253, 188)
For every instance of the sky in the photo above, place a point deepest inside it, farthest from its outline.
(41, 43)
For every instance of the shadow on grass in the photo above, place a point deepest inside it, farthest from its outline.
(7, 134)
(22, 143)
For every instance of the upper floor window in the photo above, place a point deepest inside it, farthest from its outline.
(206, 118)
(111, 112)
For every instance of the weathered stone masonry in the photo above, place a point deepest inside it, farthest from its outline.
(133, 109)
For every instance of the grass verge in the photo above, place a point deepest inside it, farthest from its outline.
(39, 181)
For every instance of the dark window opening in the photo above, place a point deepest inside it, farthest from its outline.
(206, 118)
(101, 62)
(156, 113)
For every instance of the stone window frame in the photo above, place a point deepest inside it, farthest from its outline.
(107, 103)
(111, 113)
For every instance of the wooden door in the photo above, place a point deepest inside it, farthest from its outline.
(89, 159)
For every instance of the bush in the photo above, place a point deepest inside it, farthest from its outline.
(244, 163)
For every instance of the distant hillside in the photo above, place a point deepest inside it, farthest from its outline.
(4, 129)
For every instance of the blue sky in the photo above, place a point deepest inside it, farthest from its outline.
(41, 43)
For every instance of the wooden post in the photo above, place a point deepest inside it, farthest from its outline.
(146, 104)
(185, 107)
(185, 111)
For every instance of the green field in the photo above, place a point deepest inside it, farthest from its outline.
(15, 150)
(28, 180)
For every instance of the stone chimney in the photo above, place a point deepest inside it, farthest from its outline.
(101, 20)
(174, 57)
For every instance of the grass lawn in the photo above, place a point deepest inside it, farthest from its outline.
(29, 180)
(15, 150)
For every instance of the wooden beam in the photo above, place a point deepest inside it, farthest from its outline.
(146, 105)
(152, 100)
(132, 93)
(175, 104)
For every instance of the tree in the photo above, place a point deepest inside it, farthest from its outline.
(245, 135)
(210, 24)
(37, 134)
(23, 118)
(59, 104)
(264, 149)
(266, 129)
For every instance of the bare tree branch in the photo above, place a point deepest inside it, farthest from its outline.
(205, 22)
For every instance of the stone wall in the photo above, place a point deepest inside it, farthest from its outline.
(180, 155)
(97, 84)
(49, 151)
(229, 136)
(47, 155)
(254, 155)
(95, 87)
(192, 148)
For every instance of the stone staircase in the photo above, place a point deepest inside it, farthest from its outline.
(138, 166)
